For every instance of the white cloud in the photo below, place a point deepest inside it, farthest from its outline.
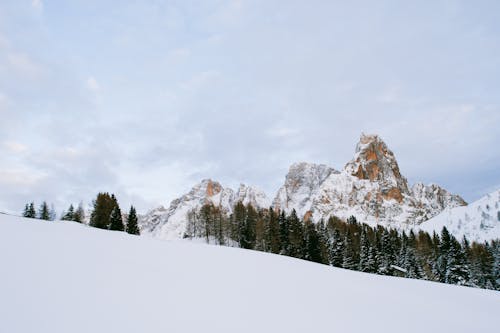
(92, 84)
(15, 147)
(23, 63)
(37, 4)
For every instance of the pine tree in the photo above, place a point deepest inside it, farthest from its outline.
(443, 255)
(458, 270)
(79, 215)
(337, 249)
(115, 220)
(295, 236)
(284, 233)
(31, 211)
(348, 261)
(103, 206)
(238, 223)
(69, 215)
(44, 213)
(364, 252)
(249, 226)
(132, 226)
(273, 232)
(26, 211)
(312, 244)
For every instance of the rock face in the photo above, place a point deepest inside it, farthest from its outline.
(479, 221)
(171, 223)
(369, 187)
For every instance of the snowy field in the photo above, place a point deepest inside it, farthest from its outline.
(66, 277)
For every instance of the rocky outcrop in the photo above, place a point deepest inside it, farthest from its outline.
(369, 187)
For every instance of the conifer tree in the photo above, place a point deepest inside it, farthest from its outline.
(103, 206)
(443, 255)
(273, 232)
(364, 252)
(348, 261)
(295, 236)
(312, 244)
(238, 223)
(44, 213)
(458, 270)
(337, 249)
(79, 215)
(284, 233)
(69, 215)
(132, 226)
(116, 220)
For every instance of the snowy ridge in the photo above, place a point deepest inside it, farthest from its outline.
(54, 282)
(171, 223)
(479, 221)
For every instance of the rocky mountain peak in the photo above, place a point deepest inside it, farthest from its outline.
(302, 183)
(375, 162)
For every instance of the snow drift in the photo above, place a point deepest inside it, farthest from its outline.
(67, 277)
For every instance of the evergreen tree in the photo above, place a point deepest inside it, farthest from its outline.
(284, 233)
(69, 215)
(31, 211)
(273, 232)
(115, 220)
(43, 212)
(26, 211)
(458, 270)
(79, 215)
(443, 255)
(295, 236)
(103, 206)
(132, 226)
(248, 230)
(313, 247)
(337, 249)
(348, 261)
(238, 223)
(364, 252)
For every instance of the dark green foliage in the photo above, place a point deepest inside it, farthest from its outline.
(132, 227)
(29, 210)
(69, 215)
(79, 215)
(273, 232)
(103, 207)
(43, 212)
(116, 220)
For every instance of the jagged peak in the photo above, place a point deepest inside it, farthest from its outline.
(375, 162)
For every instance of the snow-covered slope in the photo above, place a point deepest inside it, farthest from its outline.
(369, 187)
(67, 277)
(479, 221)
(171, 223)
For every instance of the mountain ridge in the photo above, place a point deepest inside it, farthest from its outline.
(370, 186)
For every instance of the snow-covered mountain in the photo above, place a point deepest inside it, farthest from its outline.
(171, 223)
(53, 281)
(369, 187)
(479, 221)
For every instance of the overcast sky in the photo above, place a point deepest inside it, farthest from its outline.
(146, 98)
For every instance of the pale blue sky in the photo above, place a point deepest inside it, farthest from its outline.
(146, 98)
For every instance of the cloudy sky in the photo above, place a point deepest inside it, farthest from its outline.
(146, 98)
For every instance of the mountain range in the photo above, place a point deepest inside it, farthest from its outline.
(369, 187)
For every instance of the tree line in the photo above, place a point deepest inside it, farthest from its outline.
(106, 214)
(351, 245)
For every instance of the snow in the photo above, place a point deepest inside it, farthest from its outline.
(479, 221)
(68, 277)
